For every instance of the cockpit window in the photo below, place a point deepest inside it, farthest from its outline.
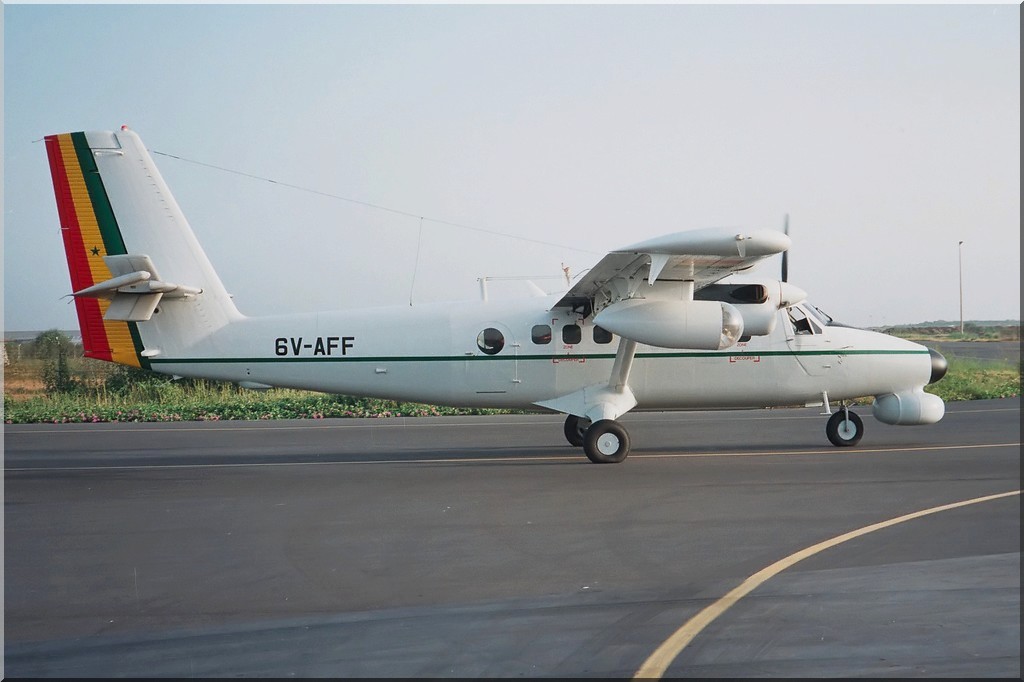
(490, 341)
(802, 323)
(817, 312)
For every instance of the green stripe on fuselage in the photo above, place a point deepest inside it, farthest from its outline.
(484, 358)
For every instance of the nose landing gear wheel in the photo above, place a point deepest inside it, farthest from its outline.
(844, 428)
(606, 442)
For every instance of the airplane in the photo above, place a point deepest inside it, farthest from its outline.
(664, 324)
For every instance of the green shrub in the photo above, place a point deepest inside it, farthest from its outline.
(50, 344)
(57, 376)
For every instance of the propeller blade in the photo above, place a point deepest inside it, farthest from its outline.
(785, 254)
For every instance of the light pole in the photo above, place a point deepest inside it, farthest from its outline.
(961, 254)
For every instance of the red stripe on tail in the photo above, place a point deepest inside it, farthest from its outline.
(90, 317)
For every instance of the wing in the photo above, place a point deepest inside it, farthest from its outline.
(699, 256)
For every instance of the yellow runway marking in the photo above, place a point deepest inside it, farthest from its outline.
(658, 662)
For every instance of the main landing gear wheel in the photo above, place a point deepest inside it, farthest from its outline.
(576, 429)
(844, 428)
(606, 442)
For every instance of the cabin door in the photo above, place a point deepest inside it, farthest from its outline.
(492, 367)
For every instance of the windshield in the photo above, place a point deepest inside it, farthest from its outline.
(820, 314)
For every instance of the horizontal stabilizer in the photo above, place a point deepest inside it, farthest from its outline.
(108, 288)
(135, 290)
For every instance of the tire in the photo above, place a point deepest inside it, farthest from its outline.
(606, 442)
(843, 432)
(576, 429)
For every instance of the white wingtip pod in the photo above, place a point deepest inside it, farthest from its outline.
(716, 241)
(701, 325)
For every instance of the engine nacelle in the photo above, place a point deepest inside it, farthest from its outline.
(758, 303)
(908, 408)
(701, 325)
(758, 318)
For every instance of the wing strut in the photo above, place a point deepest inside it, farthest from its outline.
(623, 364)
(602, 401)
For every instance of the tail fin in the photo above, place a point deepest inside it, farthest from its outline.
(120, 224)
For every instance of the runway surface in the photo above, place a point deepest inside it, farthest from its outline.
(488, 547)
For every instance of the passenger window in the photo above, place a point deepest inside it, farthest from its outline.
(571, 333)
(490, 341)
(602, 335)
(541, 334)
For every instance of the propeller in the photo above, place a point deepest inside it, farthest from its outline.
(790, 294)
(785, 254)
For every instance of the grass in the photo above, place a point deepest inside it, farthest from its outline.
(970, 379)
(103, 392)
(209, 402)
(972, 332)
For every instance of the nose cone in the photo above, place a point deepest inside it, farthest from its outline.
(939, 365)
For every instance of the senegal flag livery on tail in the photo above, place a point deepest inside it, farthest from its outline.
(90, 234)
(114, 211)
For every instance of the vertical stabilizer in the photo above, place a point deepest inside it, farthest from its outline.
(120, 223)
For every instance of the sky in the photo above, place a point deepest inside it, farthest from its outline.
(416, 148)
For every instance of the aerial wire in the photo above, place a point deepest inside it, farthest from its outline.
(368, 204)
